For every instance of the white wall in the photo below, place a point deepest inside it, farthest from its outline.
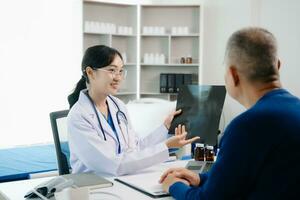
(40, 53)
(223, 17)
(282, 19)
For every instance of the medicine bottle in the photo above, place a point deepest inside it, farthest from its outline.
(199, 152)
(188, 60)
(182, 60)
(210, 154)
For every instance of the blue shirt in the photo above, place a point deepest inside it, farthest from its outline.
(111, 124)
(259, 155)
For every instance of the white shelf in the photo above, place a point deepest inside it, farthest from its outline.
(187, 35)
(123, 35)
(129, 64)
(126, 93)
(171, 65)
(110, 34)
(157, 93)
(171, 35)
(172, 46)
(155, 35)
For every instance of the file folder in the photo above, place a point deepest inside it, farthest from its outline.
(171, 83)
(163, 83)
(178, 81)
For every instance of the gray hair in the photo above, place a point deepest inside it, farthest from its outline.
(254, 52)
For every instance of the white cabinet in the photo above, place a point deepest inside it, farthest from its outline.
(174, 32)
(154, 38)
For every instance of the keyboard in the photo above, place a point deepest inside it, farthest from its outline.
(207, 167)
(199, 166)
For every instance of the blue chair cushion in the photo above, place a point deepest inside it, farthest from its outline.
(18, 163)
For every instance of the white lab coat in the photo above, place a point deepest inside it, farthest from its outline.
(91, 153)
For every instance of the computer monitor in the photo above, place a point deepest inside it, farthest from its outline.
(201, 107)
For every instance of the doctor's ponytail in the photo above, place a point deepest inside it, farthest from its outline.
(73, 97)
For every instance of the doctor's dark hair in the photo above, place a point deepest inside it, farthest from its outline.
(254, 51)
(98, 56)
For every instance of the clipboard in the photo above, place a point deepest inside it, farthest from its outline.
(146, 183)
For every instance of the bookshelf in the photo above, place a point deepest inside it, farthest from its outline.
(154, 37)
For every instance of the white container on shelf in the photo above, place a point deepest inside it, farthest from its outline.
(86, 26)
(180, 30)
(101, 27)
(97, 27)
(156, 30)
(147, 30)
(126, 32)
(120, 30)
(92, 26)
(151, 58)
(162, 59)
(156, 58)
(114, 29)
(106, 28)
(150, 30)
(130, 30)
(162, 30)
(146, 58)
(186, 30)
(174, 30)
(109, 28)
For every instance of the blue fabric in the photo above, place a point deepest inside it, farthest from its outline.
(111, 124)
(259, 155)
(18, 163)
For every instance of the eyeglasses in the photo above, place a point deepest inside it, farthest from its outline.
(114, 72)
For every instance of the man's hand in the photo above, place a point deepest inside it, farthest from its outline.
(182, 173)
(169, 180)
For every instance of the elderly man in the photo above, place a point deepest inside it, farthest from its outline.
(259, 155)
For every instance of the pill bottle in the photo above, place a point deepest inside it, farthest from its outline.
(209, 153)
(199, 152)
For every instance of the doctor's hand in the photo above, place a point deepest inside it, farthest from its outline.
(170, 118)
(179, 140)
(182, 173)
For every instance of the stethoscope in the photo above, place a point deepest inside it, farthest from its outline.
(119, 115)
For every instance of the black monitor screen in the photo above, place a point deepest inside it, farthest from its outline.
(201, 107)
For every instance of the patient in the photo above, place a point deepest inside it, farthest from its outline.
(259, 155)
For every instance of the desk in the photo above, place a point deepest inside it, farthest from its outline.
(16, 190)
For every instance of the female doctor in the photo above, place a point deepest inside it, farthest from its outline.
(101, 138)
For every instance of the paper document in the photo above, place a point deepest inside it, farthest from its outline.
(146, 183)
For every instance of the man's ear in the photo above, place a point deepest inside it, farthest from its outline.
(234, 74)
(278, 64)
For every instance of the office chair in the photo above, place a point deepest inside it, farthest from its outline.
(59, 130)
